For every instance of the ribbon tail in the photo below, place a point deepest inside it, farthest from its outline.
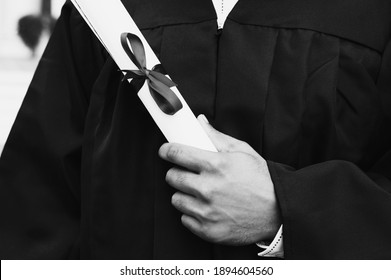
(164, 97)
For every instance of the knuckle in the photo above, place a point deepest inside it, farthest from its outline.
(241, 145)
(181, 178)
(217, 163)
(209, 215)
(206, 192)
(204, 213)
(173, 152)
(232, 146)
(198, 190)
(175, 177)
(211, 234)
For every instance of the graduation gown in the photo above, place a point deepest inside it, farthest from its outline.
(305, 83)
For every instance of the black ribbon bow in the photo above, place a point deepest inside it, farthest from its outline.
(159, 85)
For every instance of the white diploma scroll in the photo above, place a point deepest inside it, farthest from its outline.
(108, 19)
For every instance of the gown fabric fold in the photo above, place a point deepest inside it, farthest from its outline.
(305, 83)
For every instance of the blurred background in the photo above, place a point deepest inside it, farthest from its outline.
(25, 27)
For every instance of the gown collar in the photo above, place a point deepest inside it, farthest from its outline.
(362, 21)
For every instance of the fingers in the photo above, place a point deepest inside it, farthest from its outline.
(191, 223)
(188, 205)
(197, 160)
(183, 181)
(192, 211)
(188, 157)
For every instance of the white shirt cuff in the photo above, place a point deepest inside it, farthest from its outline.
(275, 249)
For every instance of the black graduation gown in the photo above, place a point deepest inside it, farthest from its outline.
(306, 83)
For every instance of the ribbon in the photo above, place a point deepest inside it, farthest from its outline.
(159, 85)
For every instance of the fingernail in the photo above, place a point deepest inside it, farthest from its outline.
(202, 116)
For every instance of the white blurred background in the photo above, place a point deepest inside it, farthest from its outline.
(21, 45)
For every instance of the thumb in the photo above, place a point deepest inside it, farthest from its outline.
(223, 142)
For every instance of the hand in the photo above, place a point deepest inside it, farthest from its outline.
(226, 197)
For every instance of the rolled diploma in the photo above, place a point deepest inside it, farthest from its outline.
(108, 19)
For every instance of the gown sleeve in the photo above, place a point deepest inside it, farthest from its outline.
(334, 209)
(41, 161)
